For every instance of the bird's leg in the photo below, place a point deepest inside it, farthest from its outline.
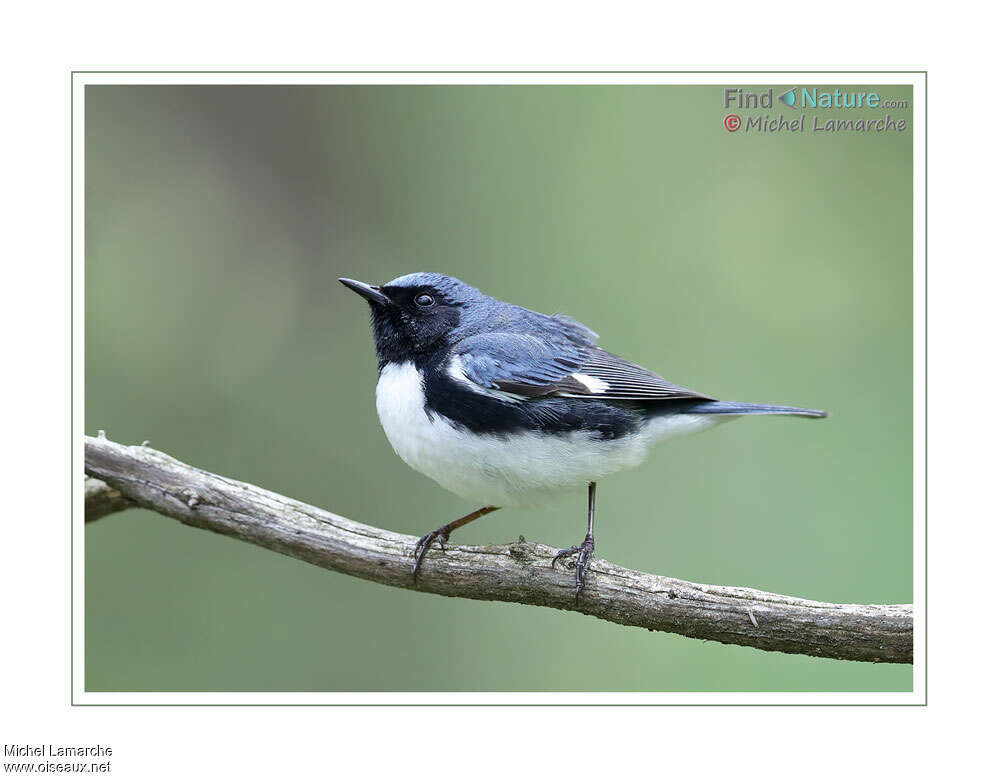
(441, 534)
(584, 549)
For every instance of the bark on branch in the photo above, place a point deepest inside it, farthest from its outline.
(516, 572)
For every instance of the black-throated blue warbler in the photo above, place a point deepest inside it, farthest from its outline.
(505, 406)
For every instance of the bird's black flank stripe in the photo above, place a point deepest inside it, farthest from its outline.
(482, 414)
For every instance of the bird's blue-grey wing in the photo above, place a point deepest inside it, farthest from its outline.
(532, 366)
(517, 363)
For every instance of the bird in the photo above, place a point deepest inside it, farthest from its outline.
(504, 406)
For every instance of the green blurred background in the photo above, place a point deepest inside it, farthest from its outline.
(772, 268)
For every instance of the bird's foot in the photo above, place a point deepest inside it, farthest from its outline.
(441, 534)
(584, 551)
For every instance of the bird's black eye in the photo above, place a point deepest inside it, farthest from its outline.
(423, 300)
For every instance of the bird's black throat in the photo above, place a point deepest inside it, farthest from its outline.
(402, 337)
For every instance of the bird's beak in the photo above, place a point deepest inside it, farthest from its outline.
(367, 291)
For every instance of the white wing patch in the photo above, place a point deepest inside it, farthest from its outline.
(593, 385)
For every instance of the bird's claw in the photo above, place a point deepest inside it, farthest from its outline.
(585, 552)
(424, 543)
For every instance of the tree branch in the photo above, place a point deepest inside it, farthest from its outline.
(99, 499)
(515, 572)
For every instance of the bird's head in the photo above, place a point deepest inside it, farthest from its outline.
(416, 314)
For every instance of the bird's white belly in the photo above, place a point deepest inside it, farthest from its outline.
(509, 469)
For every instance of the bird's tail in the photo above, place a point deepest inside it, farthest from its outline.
(739, 409)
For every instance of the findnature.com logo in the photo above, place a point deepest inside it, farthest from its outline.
(817, 99)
